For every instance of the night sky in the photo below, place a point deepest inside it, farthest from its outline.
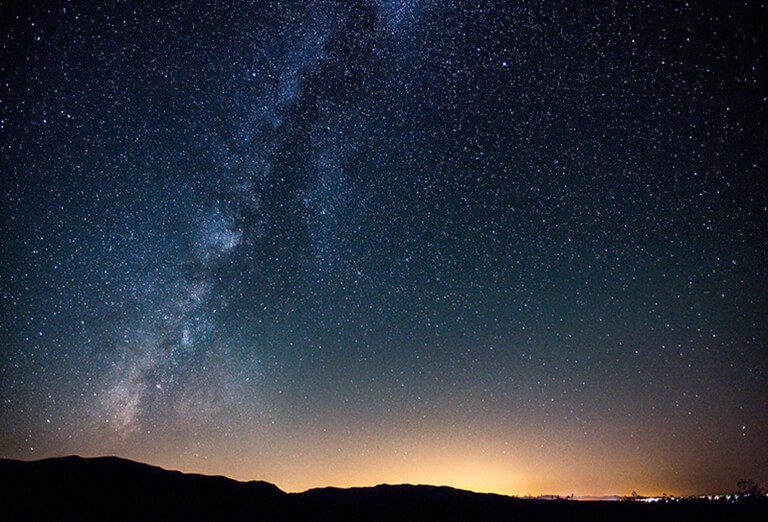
(507, 246)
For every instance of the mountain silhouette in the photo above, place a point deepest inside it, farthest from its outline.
(111, 488)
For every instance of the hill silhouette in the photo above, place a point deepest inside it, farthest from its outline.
(111, 488)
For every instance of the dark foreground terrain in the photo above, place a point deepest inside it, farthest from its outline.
(109, 488)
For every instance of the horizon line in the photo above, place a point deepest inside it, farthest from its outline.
(583, 497)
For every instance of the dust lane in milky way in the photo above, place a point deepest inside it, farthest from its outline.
(485, 244)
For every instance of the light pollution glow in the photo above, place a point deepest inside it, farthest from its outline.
(514, 462)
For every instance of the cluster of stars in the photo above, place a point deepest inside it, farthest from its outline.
(250, 221)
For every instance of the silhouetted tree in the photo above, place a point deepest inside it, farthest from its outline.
(749, 487)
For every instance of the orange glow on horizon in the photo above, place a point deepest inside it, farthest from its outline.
(504, 463)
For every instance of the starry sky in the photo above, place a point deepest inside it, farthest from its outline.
(518, 247)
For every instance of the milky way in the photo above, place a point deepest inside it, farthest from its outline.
(491, 244)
